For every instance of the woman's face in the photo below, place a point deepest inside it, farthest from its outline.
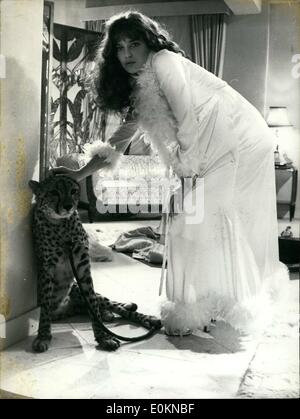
(132, 54)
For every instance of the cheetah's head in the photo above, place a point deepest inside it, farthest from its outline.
(57, 196)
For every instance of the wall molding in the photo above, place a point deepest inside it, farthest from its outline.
(177, 8)
(244, 7)
(19, 328)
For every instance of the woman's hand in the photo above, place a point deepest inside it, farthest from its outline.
(96, 163)
(61, 170)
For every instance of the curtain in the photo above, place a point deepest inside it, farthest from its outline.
(95, 25)
(208, 41)
(99, 123)
(179, 29)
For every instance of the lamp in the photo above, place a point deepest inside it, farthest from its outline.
(278, 118)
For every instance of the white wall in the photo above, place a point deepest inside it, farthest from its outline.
(258, 64)
(20, 102)
(245, 57)
(69, 12)
(283, 84)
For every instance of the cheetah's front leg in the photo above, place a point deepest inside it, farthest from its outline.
(144, 320)
(85, 282)
(42, 341)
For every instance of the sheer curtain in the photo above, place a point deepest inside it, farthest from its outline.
(206, 44)
(100, 119)
(95, 25)
(208, 41)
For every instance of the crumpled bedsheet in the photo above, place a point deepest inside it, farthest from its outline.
(142, 243)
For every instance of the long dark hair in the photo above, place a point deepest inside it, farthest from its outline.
(110, 83)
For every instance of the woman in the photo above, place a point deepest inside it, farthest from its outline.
(223, 262)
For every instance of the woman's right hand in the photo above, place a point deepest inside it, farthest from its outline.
(96, 163)
(61, 170)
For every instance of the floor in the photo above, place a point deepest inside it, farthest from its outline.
(221, 364)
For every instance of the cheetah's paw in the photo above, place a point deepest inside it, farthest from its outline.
(107, 316)
(152, 322)
(130, 307)
(41, 344)
(108, 343)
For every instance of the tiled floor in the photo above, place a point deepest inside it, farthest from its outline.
(221, 364)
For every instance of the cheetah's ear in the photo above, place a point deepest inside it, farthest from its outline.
(34, 186)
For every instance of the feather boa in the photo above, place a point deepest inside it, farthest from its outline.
(105, 151)
(249, 316)
(155, 117)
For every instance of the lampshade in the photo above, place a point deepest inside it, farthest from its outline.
(278, 117)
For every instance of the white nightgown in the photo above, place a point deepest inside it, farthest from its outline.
(222, 263)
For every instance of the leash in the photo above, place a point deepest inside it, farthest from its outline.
(166, 242)
(167, 217)
(94, 315)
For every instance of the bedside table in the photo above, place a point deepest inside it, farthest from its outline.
(286, 189)
(289, 251)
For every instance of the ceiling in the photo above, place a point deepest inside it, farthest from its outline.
(102, 3)
(237, 7)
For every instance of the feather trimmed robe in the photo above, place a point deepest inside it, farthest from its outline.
(222, 250)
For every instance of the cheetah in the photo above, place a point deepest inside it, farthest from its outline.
(62, 250)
